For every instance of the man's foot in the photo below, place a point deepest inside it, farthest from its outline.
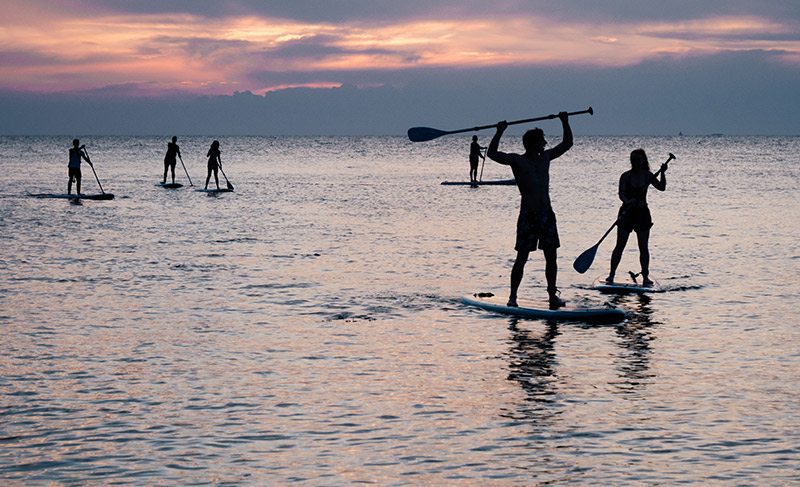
(610, 279)
(646, 282)
(163, 182)
(512, 302)
(555, 301)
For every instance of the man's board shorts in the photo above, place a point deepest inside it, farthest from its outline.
(74, 172)
(635, 219)
(536, 230)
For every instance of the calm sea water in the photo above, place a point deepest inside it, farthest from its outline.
(307, 330)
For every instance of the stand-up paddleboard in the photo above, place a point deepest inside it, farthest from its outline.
(95, 196)
(618, 287)
(533, 309)
(170, 185)
(220, 190)
(499, 182)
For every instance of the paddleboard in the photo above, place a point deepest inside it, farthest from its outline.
(503, 182)
(95, 196)
(170, 185)
(533, 309)
(220, 190)
(601, 285)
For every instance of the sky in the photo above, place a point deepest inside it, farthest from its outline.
(374, 67)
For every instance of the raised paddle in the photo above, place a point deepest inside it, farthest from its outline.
(92, 166)
(424, 134)
(584, 261)
(230, 186)
(184, 170)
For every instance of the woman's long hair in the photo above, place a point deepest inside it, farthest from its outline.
(640, 155)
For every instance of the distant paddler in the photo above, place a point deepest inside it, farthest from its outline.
(76, 153)
(170, 159)
(214, 163)
(475, 154)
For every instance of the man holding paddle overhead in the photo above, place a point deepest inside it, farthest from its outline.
(75, 156)
(536, 224)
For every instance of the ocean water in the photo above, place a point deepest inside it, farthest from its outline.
(306, 329)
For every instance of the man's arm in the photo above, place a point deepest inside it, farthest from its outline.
(86, 156)
(566, 141)
(492, 151)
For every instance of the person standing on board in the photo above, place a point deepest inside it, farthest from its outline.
(634, 215)
(75, 156)
(536, 224)
(214, 162)
(474, 154)
(170, 160)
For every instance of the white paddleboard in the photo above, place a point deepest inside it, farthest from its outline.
(501, 182)
(170, 185)
(535, 309)
(619, 287)
(95, 196)
(220, 190)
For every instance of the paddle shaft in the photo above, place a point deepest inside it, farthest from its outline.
(422, 134)
(483, 156)
(95, 172)
(527, 120)
(230, 186)
(184, 170)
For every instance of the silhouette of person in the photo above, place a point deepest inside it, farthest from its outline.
(75, 156)
(634, 214)
(173, 151)
(536, 224)
(214, 162)
(474, 154)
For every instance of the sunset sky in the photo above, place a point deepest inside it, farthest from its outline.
(156, 49)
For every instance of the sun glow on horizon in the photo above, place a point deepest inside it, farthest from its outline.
(51, 53)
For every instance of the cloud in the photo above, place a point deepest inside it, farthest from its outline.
(729, 92)
(217, 47)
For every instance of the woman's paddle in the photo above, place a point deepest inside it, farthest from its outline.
(230, 186)
(584, 261)
(423, 134)
(184, 170)
(92, 166)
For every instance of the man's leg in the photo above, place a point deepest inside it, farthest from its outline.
(516, 276)
(551, 274)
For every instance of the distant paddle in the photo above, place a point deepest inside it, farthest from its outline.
(424, 134)
(92, 166)
(584, 261)
(230, 186)
(184, 170)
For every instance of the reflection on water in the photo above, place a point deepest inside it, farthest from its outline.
(306, 329)
(635, 338)
(531, 363)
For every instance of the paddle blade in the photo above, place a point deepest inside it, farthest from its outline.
(422, 134)
(584, 261)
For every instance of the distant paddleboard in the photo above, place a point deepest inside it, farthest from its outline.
(501, 182)
(95, 196)
(624, 287)
(220, 190)
(170, 185)
(535, 309)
